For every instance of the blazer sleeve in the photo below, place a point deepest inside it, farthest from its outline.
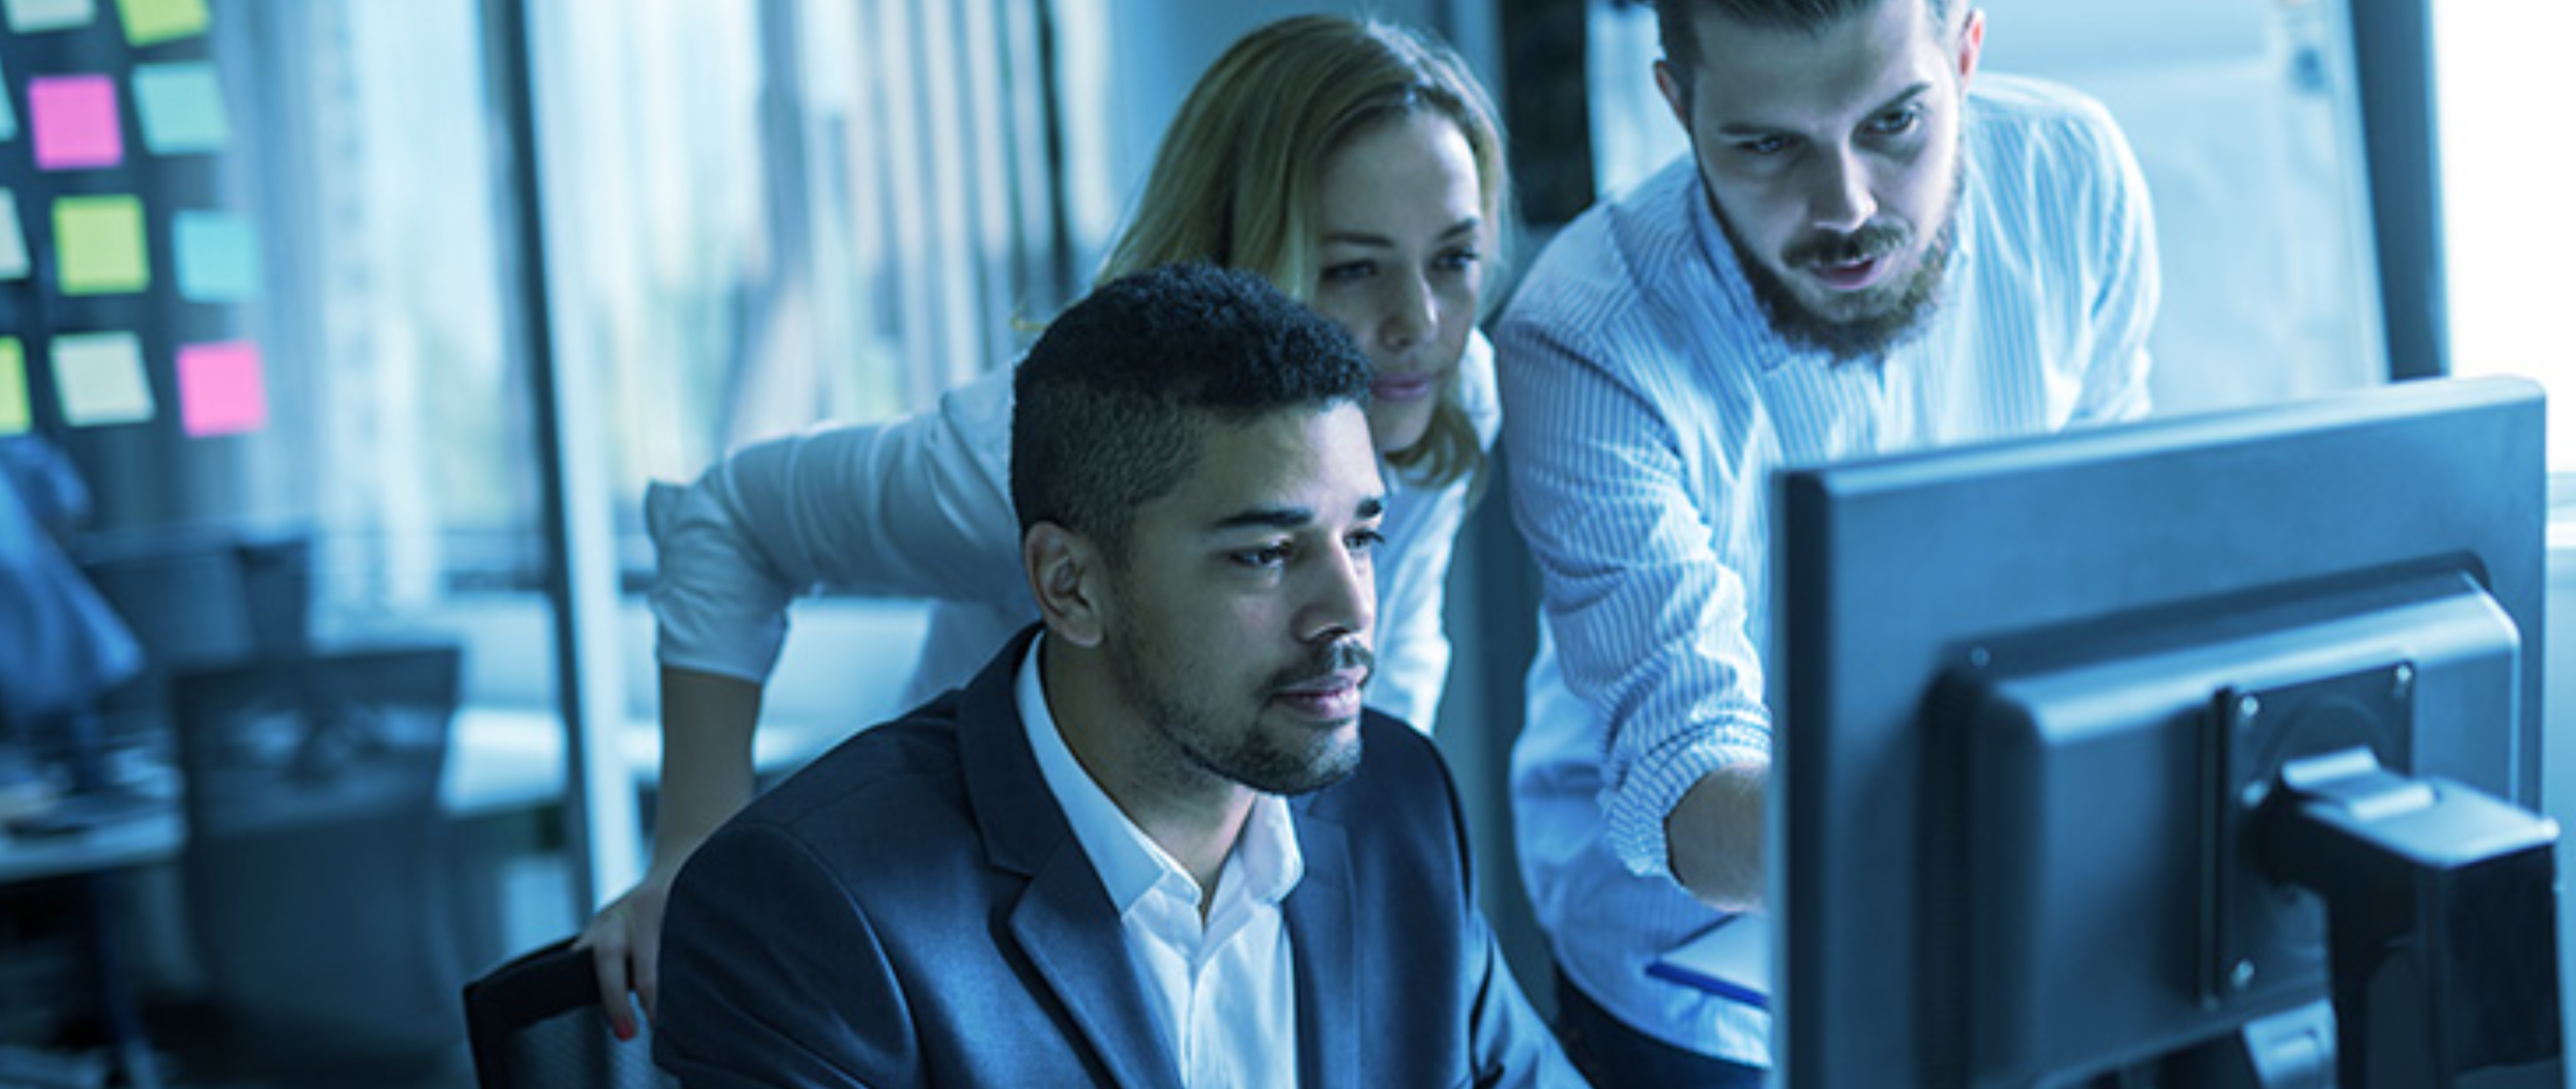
(774, 976)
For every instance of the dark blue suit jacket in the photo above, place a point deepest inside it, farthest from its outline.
(913, 910)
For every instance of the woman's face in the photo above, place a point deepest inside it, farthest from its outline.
(1400, 259)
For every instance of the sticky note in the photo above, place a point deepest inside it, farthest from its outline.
(8, 113)
(15, 418)
(13, 237)
(152, 22)
(30, 16)
(220, 390)
(98, 244)
(182, 106)
(217, 256)
(75, 122)
(100, 377)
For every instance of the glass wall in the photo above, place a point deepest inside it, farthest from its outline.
(253, 293)
(769, 214)
(262, 304)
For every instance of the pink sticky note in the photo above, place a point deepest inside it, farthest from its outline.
(220, 390)
(75, 122)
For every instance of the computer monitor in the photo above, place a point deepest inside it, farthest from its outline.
(2118, 754)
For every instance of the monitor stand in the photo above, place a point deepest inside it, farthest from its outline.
(2441, 923)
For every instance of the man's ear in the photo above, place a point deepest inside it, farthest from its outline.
(1676, 94)
(1068, 578)
(1972, 41)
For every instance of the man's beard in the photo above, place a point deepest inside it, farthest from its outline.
(1245, 756)
(1897, 316)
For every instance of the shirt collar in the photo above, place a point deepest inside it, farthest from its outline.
(1265, 859)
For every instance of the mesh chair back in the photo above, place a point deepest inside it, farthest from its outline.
(536, 1024)
(318, 861)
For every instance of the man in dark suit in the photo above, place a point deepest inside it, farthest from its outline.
(1142, 848)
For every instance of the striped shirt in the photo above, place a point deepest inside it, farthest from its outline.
(1647, 403)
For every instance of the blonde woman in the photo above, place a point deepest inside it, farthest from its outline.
(1354, 163)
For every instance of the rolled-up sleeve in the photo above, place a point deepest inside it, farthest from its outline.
(918, 506)
(1649, 619)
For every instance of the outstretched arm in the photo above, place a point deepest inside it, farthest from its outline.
(707, 722)
(1646, 555)
(917, 506)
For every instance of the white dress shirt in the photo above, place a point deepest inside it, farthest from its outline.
(1224, 991)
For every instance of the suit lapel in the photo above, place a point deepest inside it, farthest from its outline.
(1320, 916)
(1063, 920)
(1064, 924)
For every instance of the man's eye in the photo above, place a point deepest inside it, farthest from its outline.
(1896, 122)
(1763, 145)
(1367, 540)
(1265, 556)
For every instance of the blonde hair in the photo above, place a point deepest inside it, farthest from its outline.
(1237, 177)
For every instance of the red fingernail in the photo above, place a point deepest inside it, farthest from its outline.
(624, 1032)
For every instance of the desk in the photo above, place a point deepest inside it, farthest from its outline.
(153, 837)
(499, 759)
(504, 758)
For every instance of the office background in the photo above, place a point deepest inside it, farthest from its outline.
(398, 306)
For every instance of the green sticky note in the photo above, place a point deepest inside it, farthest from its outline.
(13, 237)
(99, 245)
(182, 106)
(100, 379)
(15, 418)
(217, 254)
(151, 22)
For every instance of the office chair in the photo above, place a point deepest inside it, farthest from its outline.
(319, 871)
(535, 1023)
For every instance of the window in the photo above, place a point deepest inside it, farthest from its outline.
(2507, 233)
(765, 215)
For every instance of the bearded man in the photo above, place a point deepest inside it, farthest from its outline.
(1870, 248)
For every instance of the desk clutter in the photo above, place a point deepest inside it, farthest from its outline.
(297, 790)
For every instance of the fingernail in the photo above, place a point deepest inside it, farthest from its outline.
(624, 1032)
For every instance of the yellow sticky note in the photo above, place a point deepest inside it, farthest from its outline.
(15, 418)
(99, 245)
(151, 22)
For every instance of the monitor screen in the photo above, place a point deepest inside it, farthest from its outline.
(2048, 708)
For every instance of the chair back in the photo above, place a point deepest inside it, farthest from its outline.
(319, 867)
(536, 1023)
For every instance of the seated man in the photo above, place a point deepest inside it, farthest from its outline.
(1142, 847)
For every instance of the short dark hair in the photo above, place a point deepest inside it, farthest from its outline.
(1676, 21)
(1108, 404)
